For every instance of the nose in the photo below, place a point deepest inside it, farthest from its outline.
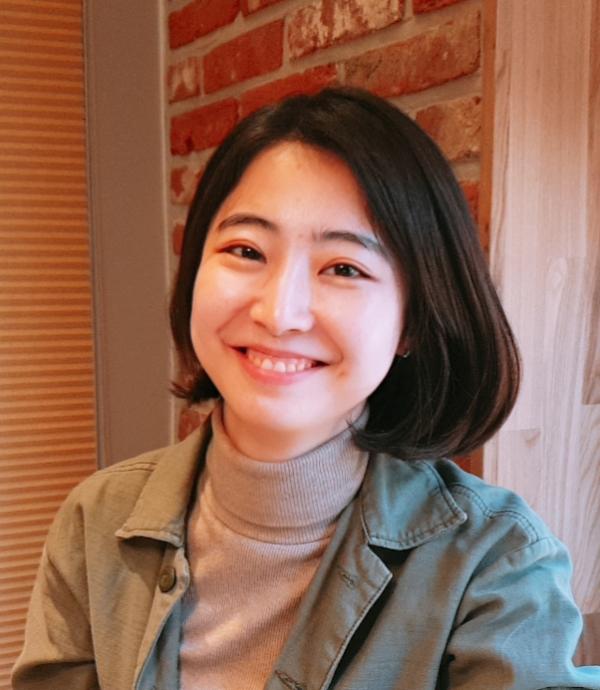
(284, 302)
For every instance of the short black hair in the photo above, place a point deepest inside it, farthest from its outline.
(461, 379)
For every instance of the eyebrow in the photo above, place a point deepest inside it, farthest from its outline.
(365, 241)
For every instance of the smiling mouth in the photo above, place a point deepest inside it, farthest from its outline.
(282, 365)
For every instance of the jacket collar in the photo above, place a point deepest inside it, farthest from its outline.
(403, 504)
(161, 509)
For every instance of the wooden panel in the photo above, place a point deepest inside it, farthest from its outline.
(591, 394)
(588, 653)
(47, 400)
(545, 235)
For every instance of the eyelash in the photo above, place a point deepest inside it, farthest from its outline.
(243, 251)
(356, 272)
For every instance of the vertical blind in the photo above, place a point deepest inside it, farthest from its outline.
(47, 397)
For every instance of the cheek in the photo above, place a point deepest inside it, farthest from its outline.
(218, 297)
(198, 323)
(367, 333)
(377, 324)
(217, 287)
(380, 338)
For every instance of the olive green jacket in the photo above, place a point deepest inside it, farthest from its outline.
(432, 580)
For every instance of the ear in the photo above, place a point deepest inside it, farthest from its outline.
(403, 348)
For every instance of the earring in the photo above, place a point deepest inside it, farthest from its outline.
(405, 354)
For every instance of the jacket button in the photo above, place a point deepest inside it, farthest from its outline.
(167, 579)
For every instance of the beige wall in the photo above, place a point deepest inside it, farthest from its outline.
(127, 216)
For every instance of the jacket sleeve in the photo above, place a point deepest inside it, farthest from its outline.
(58, 649)
(518, 626)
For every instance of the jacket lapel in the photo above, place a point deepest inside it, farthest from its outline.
(349, 580)
(400, 506)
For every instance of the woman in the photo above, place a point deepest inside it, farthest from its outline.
(333, 298)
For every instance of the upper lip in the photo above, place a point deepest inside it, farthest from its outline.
(281, 354)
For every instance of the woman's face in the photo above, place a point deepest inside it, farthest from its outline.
(297, 309)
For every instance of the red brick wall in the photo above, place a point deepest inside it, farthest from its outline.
(228, 57)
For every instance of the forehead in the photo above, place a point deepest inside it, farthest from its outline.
(295, 181)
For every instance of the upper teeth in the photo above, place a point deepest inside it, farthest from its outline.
(279, 364)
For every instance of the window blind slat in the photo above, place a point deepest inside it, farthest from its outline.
(47, 395)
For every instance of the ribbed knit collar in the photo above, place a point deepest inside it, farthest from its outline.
(291, 502)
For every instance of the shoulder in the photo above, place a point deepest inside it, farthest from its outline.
(407, 504)
(486, 504)
(121, 482)
(475, 535)
(110, 495)
(501, 529)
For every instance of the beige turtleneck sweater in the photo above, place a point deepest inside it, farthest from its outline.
(255, 537)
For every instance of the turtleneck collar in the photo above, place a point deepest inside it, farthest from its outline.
(294, 501)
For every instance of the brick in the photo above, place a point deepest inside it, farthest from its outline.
(326, 22)
(192, 417)
(455, 126)
(447, 52)
(203, 128)
(473, 462)
(199, 18)
(184, 182)
(420, 6)
(253, 53)
(183, 80)
(177, 238)
(189, 419)
(310, 81)
(250, 6)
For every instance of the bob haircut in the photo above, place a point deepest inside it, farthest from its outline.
(461, 379)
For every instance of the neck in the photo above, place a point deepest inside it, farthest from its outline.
(277, 445)
(294, 501)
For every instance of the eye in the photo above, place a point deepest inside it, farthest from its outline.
(345, 271)
(244, 252)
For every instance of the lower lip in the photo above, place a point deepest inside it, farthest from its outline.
(268, 376)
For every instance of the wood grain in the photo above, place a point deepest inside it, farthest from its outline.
(545, 234)
(588, 653)
(591, 394)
